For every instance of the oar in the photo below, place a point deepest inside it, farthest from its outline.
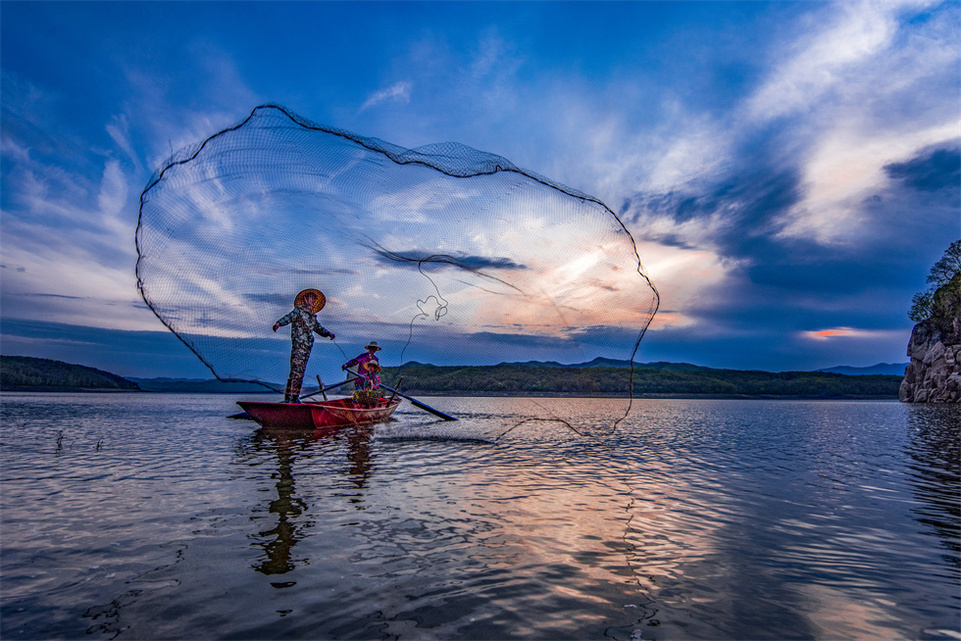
(320, 384)
(414, 401)
(399, 382)
(423, 406)
(329, 387)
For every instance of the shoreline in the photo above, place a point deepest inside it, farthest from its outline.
(463, 394)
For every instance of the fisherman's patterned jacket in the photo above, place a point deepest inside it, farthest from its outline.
(303, 324)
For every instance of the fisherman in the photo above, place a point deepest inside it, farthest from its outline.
(368, 368)
(303, 324)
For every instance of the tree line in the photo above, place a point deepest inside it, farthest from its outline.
(26, 373)
(616, 381)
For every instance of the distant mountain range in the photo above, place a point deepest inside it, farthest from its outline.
(888, 369)
(891, 369)
(605, 362)
(600, 376)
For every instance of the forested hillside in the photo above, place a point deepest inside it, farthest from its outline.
(653, 381)
(25, 374)
(657, 379)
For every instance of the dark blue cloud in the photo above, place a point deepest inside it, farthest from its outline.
(159, 353)
(128, 353)
(726, 346)
(463, 261)
(780, 286)
(278, 300)
(748, 200)
(55, 296)
(932, 170)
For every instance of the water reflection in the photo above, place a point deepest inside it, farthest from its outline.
(935, 473)
(280, 540)
(288, 446)
(359, 457)
(697, 520)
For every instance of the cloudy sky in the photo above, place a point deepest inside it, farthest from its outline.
(789, 171)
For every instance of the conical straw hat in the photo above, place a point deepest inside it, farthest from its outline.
(319, 303)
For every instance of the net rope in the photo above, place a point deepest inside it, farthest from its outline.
(443, 254)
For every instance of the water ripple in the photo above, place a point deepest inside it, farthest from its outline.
(153, 516)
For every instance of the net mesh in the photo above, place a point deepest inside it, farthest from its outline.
(443, 254)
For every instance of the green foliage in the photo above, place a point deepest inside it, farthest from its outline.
(614, 381)
(22, 372)
(660, 379)
(942, 275)
(921, 306)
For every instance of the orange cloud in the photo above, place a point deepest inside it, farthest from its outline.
(827, 333)
(835, 332)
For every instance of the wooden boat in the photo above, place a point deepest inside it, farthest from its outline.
(345, 412)
(310, 415)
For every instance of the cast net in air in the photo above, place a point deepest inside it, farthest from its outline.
(442, 254)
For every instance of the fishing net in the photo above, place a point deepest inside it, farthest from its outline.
(442, 254)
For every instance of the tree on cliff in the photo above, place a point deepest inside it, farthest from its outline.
(934, 373)
(924, 305)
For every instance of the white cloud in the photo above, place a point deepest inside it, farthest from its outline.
(69, 250)
(688, 147)
(113, 202)
(489, 56)
(13, 150)
(62, 276)
(171, 110)
(687, 279)
(398, 92)
(848, 90)
(119, 132)
(841, 95)
(864, 112)
(823, 58)
(844, 169)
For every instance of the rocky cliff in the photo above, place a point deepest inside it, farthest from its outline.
(934, 373)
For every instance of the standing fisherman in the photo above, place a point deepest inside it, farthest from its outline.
(303, 324)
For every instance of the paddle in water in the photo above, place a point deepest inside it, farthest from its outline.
(414, 401)
(423, 406)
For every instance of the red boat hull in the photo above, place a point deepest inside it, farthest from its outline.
(335, 413)
(344, 412)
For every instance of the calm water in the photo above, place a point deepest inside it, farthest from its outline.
(139, 516)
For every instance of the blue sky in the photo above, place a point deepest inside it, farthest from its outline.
(790, 171)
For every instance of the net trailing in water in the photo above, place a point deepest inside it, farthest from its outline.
(443, 254)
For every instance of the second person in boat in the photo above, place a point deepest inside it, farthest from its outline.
(368, 368)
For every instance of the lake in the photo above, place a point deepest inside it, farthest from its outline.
(152, 516)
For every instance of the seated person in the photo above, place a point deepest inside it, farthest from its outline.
(368, 368)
